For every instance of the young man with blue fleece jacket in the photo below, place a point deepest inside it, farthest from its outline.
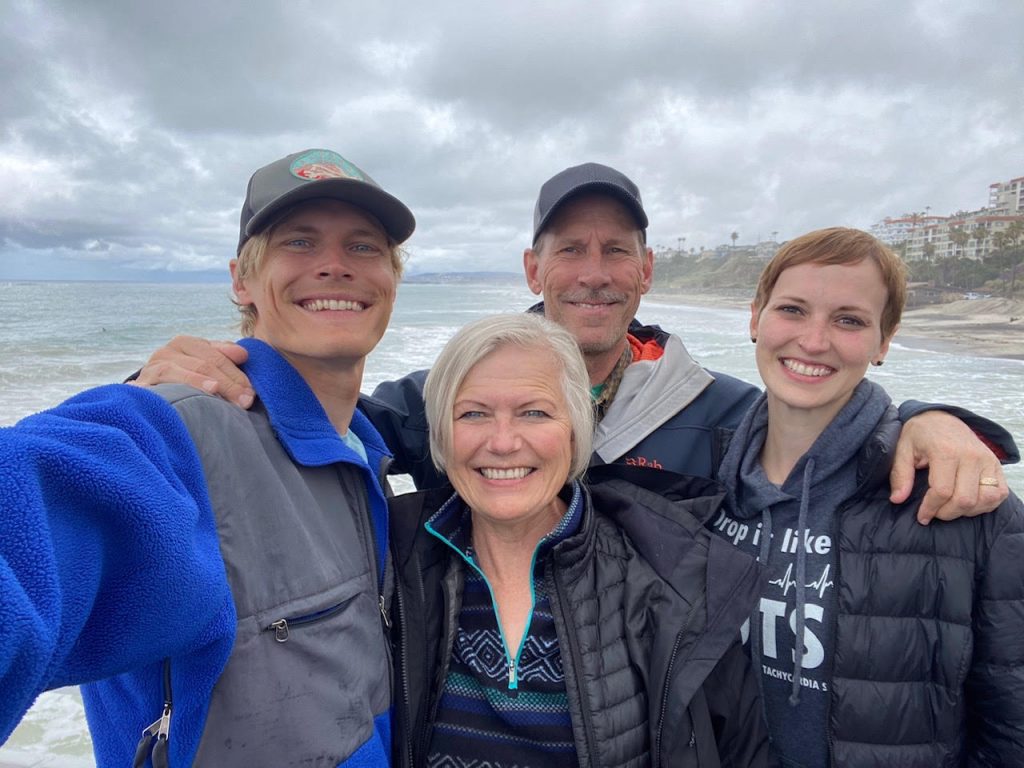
(217, 577)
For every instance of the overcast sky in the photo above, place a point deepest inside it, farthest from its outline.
(128, 130)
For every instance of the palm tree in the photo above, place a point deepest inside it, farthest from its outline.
(1002, 256)
(1014, 236)
(980, 234)
(959, 237)
(1015, 232)
(915, 219)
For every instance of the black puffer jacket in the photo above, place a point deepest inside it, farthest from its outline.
(928, 669)
(641, 594)
(929, 663)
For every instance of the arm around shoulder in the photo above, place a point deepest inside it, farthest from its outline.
(109, 557)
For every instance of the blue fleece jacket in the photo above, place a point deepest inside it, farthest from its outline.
(109, 556)
(109, 562)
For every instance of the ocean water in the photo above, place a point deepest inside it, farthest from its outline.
(59, 338)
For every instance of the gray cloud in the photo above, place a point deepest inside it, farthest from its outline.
(128, 130)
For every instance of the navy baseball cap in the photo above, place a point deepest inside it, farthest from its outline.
(589, 177)
(318, 173)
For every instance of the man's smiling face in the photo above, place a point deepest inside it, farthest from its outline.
(326, 287)
(592, 267)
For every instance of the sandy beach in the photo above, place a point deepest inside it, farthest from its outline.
(991, 327)
(981, 327)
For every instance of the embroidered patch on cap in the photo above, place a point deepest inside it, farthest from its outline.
(320, 164)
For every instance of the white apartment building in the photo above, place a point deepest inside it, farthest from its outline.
(895, 230)
(1007, 198)
(921, 236)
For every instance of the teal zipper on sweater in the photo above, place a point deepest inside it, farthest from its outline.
(468, 556)
(512, 664)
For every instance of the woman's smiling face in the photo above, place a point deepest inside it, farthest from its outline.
(817, 333)
(512, 442)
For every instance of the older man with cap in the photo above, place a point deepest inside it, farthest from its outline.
(657, 407)
(219, 576)
(591, 263)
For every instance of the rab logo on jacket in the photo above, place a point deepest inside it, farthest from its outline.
(643, 461)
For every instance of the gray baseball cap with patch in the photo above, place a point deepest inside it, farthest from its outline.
(586, 178)
(318, 173)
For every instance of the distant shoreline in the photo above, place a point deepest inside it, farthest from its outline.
(979, 327)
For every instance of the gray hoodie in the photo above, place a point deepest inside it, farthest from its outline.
(799, 554)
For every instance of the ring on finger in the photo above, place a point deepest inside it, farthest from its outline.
(992, 481)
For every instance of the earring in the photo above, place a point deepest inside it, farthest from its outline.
(753, 339)
(877, 363)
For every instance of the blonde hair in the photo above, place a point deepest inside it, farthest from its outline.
(478, 339)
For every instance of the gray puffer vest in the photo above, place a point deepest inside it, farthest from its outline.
(308, 673)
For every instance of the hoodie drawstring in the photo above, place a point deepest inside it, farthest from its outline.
(755, 616)
(801, 582)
